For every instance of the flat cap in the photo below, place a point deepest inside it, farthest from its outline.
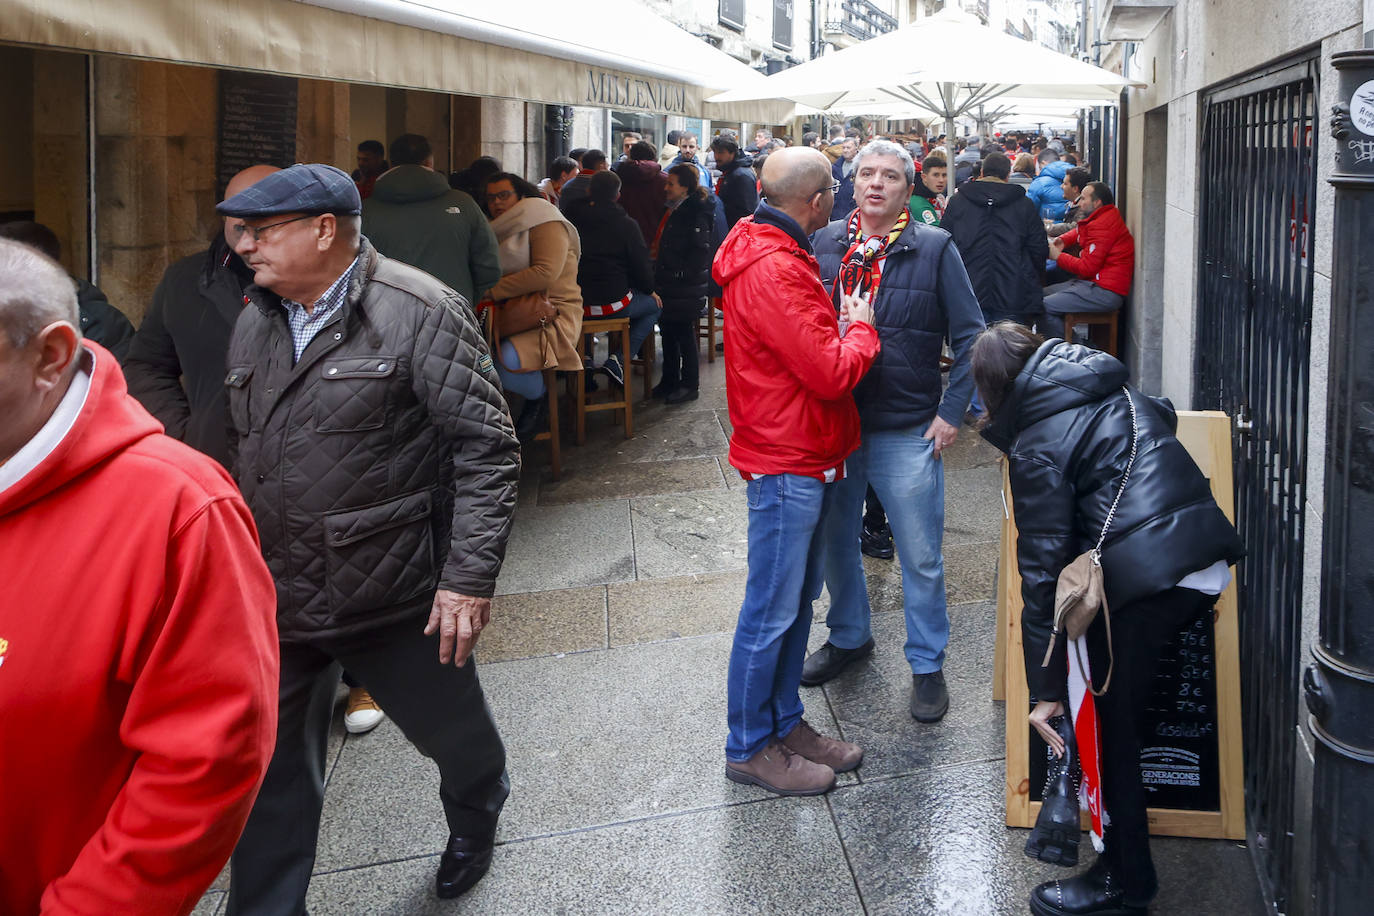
(304, 188)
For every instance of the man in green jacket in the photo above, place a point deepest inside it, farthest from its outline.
(928, 199)
(414, 216)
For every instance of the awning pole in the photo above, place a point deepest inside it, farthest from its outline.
(947, 97)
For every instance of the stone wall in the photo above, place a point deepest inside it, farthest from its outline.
(59, 167)
(155, 172)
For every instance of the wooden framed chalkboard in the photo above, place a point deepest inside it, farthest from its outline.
(257, 123)
(1192, 769)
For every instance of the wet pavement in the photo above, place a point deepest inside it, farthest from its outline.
(605, 668)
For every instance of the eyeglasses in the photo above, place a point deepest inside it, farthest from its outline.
(833, 188)
(502, 196)
(256, 231)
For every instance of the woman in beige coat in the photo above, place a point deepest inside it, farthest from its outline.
(539, 252)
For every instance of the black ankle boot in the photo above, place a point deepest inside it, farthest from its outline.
(1057, 831)
(1093, 893)
(532, 419)
(465, 861)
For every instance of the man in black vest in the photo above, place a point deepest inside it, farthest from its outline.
(920, 294)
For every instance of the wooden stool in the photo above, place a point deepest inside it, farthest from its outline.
(579, 379)
(550, 435)
(1091, 320)
(708, 333)
(648, 354)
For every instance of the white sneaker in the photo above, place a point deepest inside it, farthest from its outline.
(362, 714)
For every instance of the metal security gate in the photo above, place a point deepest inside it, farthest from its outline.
(1258, 176)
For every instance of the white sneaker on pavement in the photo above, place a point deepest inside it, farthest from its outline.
(362, 714)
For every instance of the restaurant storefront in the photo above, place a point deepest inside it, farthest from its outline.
(123, 128)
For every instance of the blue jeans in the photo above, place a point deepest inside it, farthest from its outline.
(642, 312)
(528, 385)
(902, 468)
(785, 570)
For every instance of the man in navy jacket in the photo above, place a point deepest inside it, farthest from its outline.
(921, 295)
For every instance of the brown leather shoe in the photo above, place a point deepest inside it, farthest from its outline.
(840, 756)
(782, 772)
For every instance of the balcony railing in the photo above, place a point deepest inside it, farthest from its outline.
(859, 19)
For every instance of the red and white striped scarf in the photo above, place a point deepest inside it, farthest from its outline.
(1088, 737)
(862, 268)
(601, 311)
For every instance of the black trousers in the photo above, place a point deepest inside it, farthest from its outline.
(680, 369)
(439, 708)
(875, 516)
(1139, 633)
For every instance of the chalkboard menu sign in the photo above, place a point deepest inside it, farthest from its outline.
(257, 123)
(1179, 763)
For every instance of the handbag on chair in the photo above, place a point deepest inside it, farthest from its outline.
(522, 313)
(518, 314)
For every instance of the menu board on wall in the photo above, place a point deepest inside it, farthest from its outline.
(257, 123)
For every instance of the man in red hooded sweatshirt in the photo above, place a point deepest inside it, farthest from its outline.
(789, 377)
(138, 639)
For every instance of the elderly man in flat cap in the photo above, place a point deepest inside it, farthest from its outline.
(371, 440)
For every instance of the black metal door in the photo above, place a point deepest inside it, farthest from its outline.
(1258, 179)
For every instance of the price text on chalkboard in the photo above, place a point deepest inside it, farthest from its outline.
(257, 123)
(1180, 765)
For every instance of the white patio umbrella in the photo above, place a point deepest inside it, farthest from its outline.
(947, 64)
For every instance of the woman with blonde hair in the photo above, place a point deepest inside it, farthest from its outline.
(1022, 170)
(539, 252)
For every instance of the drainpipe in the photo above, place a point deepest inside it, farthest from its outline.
(1339, 684)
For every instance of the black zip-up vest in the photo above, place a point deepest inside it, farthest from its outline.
(903, 387)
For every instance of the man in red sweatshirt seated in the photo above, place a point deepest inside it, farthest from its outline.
(790, 375)
(138, 638)
(1104, 268)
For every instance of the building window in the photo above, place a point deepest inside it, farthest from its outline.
(732, 14)
(782, 25)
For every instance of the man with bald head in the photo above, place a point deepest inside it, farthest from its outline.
(790, 369)
(139, 697)
(175, 365)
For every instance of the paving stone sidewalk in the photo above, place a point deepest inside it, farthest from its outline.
(605, 668)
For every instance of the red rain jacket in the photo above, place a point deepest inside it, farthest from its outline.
(1108, 257)
(789, 376)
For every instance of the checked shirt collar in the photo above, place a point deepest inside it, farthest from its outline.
(305, 325)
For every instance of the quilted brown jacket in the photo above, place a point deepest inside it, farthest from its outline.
(383, 463)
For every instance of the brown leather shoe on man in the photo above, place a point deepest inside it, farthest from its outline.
(840, 756)
(782, 772)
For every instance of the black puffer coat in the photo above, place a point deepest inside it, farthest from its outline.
(615, 259)
(383, 463)
(738, 188)
(682, 272)
(1002, 241)
(1066, 427)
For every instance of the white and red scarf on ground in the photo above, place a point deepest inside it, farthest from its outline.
(1087, 737)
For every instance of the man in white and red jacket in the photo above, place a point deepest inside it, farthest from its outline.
(790, 377)
(138, 640)
(1103, 270)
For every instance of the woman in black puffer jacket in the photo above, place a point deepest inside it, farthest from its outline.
(1061, 414)
(682, 272)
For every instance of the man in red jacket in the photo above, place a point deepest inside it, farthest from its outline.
(1104, 269)
(790, 374)
(138, 639)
